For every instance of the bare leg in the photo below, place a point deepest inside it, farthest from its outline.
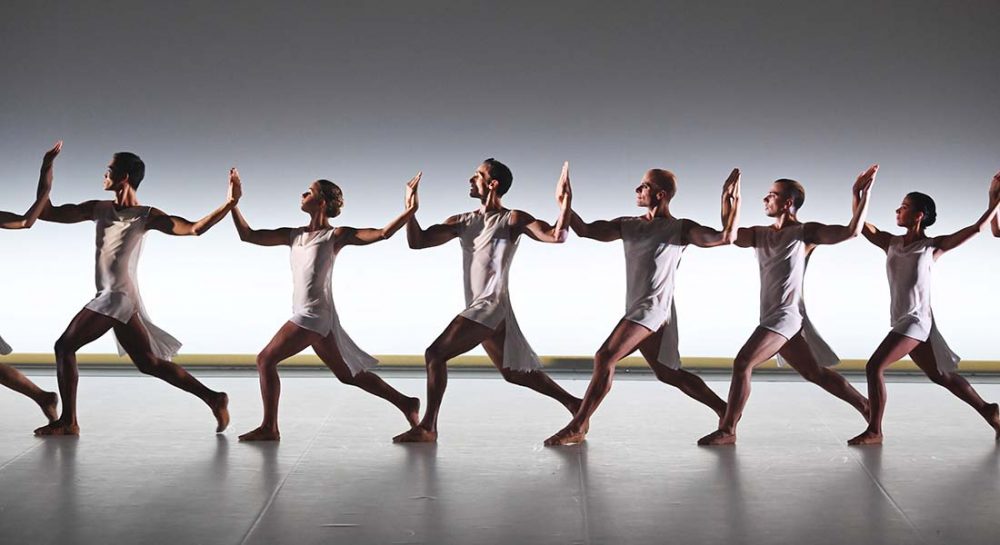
(459, 337)
(760, 347)
(288, 341)
(135, 340)
(687, 382)
(328, 351)
(891, 350)
(86, 327)
(624, 340)
(923, 356)
(15, 380)
(536, 380)
(798, 355)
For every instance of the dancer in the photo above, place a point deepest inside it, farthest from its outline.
(909, 259)
(783, 250)
(653, 245)
(9, 376)
(489, 237)
(315, 322)
(121, 225)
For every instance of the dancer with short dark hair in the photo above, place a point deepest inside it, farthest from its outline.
(909, 260)
(122, 224)
(489, 237)
(315, 323)
(783, 250)
(653, 246)
(10, 376)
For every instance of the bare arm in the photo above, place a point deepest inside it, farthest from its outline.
(818, 233)
(347, 236)
(10, 220)
(877, 237)
(540, 230)
(745, 237)
(706, 237)
(178, 226)
(260, 237)
(995, 194)
(946, 243)
(602, 230)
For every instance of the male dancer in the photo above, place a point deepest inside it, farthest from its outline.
(489, 238)
(783, 250)
(653, 245)
(9, 376)
(121, 225)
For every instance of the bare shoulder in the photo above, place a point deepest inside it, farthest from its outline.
(520, 217)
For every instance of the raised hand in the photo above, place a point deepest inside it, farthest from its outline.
(731, 187)
(412, 201)
(564, 192)
(50, 156)
(235, 186)
(995, 188)
(865, 180)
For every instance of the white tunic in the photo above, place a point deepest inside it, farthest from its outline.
(119, 243)
(782, 257)
(909, 270)
(488, 246)
(312, 258)
(653, 251)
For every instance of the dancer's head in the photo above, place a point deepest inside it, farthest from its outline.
(323, 196)
(785, 196)
(657, 186)
(125, 167)
(491, 174)
(917, 211)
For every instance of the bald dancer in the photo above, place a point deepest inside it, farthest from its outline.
(489, 237)
(122, 224)
(783, 249)
(9, 376)
(653, 245)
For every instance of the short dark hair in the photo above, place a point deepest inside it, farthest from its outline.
(792, 189)
(131, 165)
(333, 196)
(923, 203)
(499, 172)
(665, 180)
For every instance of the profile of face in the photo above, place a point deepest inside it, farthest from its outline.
(907, 214)
(114, 178)
(312, 200)
(480, 182)
(648, 193)
(775, 203)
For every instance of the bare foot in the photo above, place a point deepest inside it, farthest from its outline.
(411, 410)
(718, 438)
(992, 416)
(56, 427)
(416, 435)
(49, 403)
(866, 438)
(261, 434)
(220, 408)
(567, 436)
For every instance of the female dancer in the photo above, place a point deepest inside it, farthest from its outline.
(914, 331)
(314, 322)
(9, 376)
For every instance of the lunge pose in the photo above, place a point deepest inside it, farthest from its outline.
(489, 237)
(783, 250)
(314, 322)
(909, 259)
(9, 376)
(653, 245)
(121, 225)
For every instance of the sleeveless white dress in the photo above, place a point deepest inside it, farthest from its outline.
(312, 257)
(782, 259)
(909, 270)
(488, 246)
(119, 243)
(653, 251)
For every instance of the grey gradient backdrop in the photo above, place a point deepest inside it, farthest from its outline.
(367, 93)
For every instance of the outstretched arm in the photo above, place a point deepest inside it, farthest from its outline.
(17, 221)
(346, 236)
(706, 237)
(818, 233)
(178, 226)
(602, 230)
(542, 231)
(950, 242)
(435, 235)
(260, 237)
(877, 237)
(995, 194)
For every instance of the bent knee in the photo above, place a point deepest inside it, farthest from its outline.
(265, 361)
(146, 363)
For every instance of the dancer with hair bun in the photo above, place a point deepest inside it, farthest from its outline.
(314, 321)
(909, 259)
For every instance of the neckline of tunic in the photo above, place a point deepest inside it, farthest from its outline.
(315, 235)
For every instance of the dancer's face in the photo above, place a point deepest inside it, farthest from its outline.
(113, 178)
(775, 203)
(906, 215)
(647, 193)
(480, 182)
(312, 199)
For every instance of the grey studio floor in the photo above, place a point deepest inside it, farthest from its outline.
(148, 468)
